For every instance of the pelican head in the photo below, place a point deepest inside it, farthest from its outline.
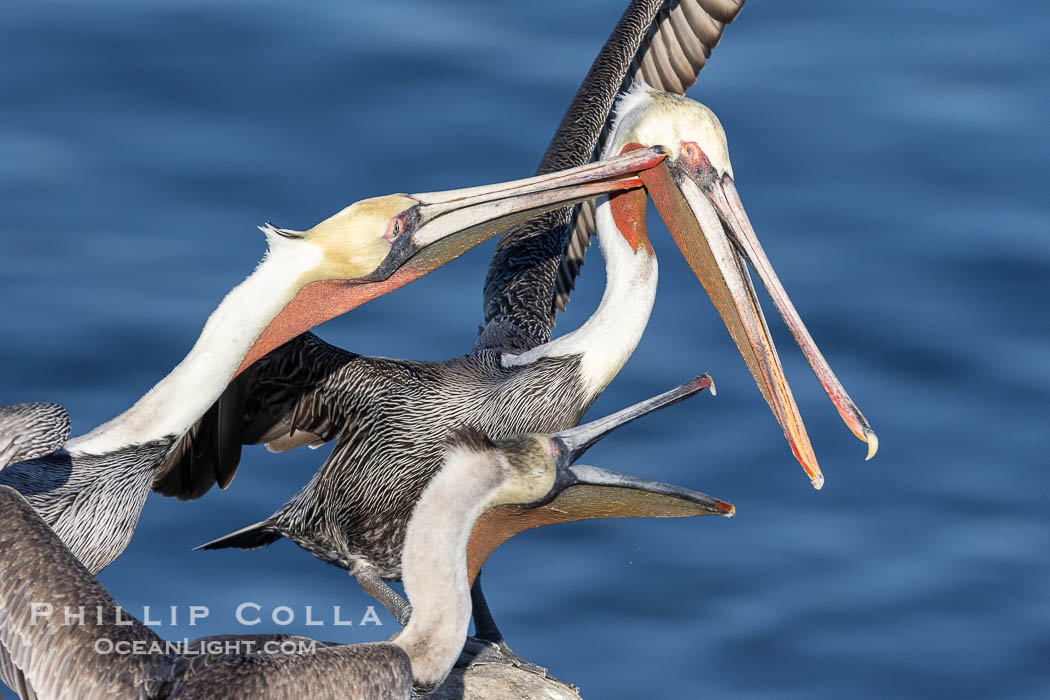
(355, 241)
(688, 130)
(380, 244)
(694, 192)
(543, 485)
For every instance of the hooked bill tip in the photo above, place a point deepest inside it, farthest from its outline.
(808, 462)
(728, 509)
(873, 443)
(706, 380)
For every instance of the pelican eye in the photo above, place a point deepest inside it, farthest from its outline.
(394, 228)
(695, 156)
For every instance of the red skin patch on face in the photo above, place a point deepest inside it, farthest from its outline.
(691, 152)
(628, 210)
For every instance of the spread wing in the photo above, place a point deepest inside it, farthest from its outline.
(302, 393)
(663, 42)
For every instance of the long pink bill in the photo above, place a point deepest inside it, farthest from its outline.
(697, 230)
(723, 195)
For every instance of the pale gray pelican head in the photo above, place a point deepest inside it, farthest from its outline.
(380, 244)
(554, 489)
(696, 196)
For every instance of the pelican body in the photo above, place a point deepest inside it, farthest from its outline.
(91, 489)
(388, 415)
(477, 474)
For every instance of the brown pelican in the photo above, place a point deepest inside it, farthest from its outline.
(92, 491)
(83, 658)
(388, 416)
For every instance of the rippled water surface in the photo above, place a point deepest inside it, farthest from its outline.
(893, 159)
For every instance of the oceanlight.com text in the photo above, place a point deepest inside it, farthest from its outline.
(215, 647)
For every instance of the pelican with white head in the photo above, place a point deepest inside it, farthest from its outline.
(694, 192)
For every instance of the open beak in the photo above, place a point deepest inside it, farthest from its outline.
(583, 492)
(629, 491)
(573, 442)
(443, 226)
(712, 230)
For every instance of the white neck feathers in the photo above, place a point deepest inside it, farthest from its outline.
(181, 398)
(610, 335)
(434, 561)
(608, 338)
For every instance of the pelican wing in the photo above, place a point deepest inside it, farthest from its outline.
(376, 670)
(54, 655)
(663, 42)
(31, 430)
(305, 392)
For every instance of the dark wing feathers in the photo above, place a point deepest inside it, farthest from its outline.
(669, 57)
(290, 398)
(377, 670)
(30, 430)
(59, 658)
(522, 278)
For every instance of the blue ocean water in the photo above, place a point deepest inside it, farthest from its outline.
(893, 159)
